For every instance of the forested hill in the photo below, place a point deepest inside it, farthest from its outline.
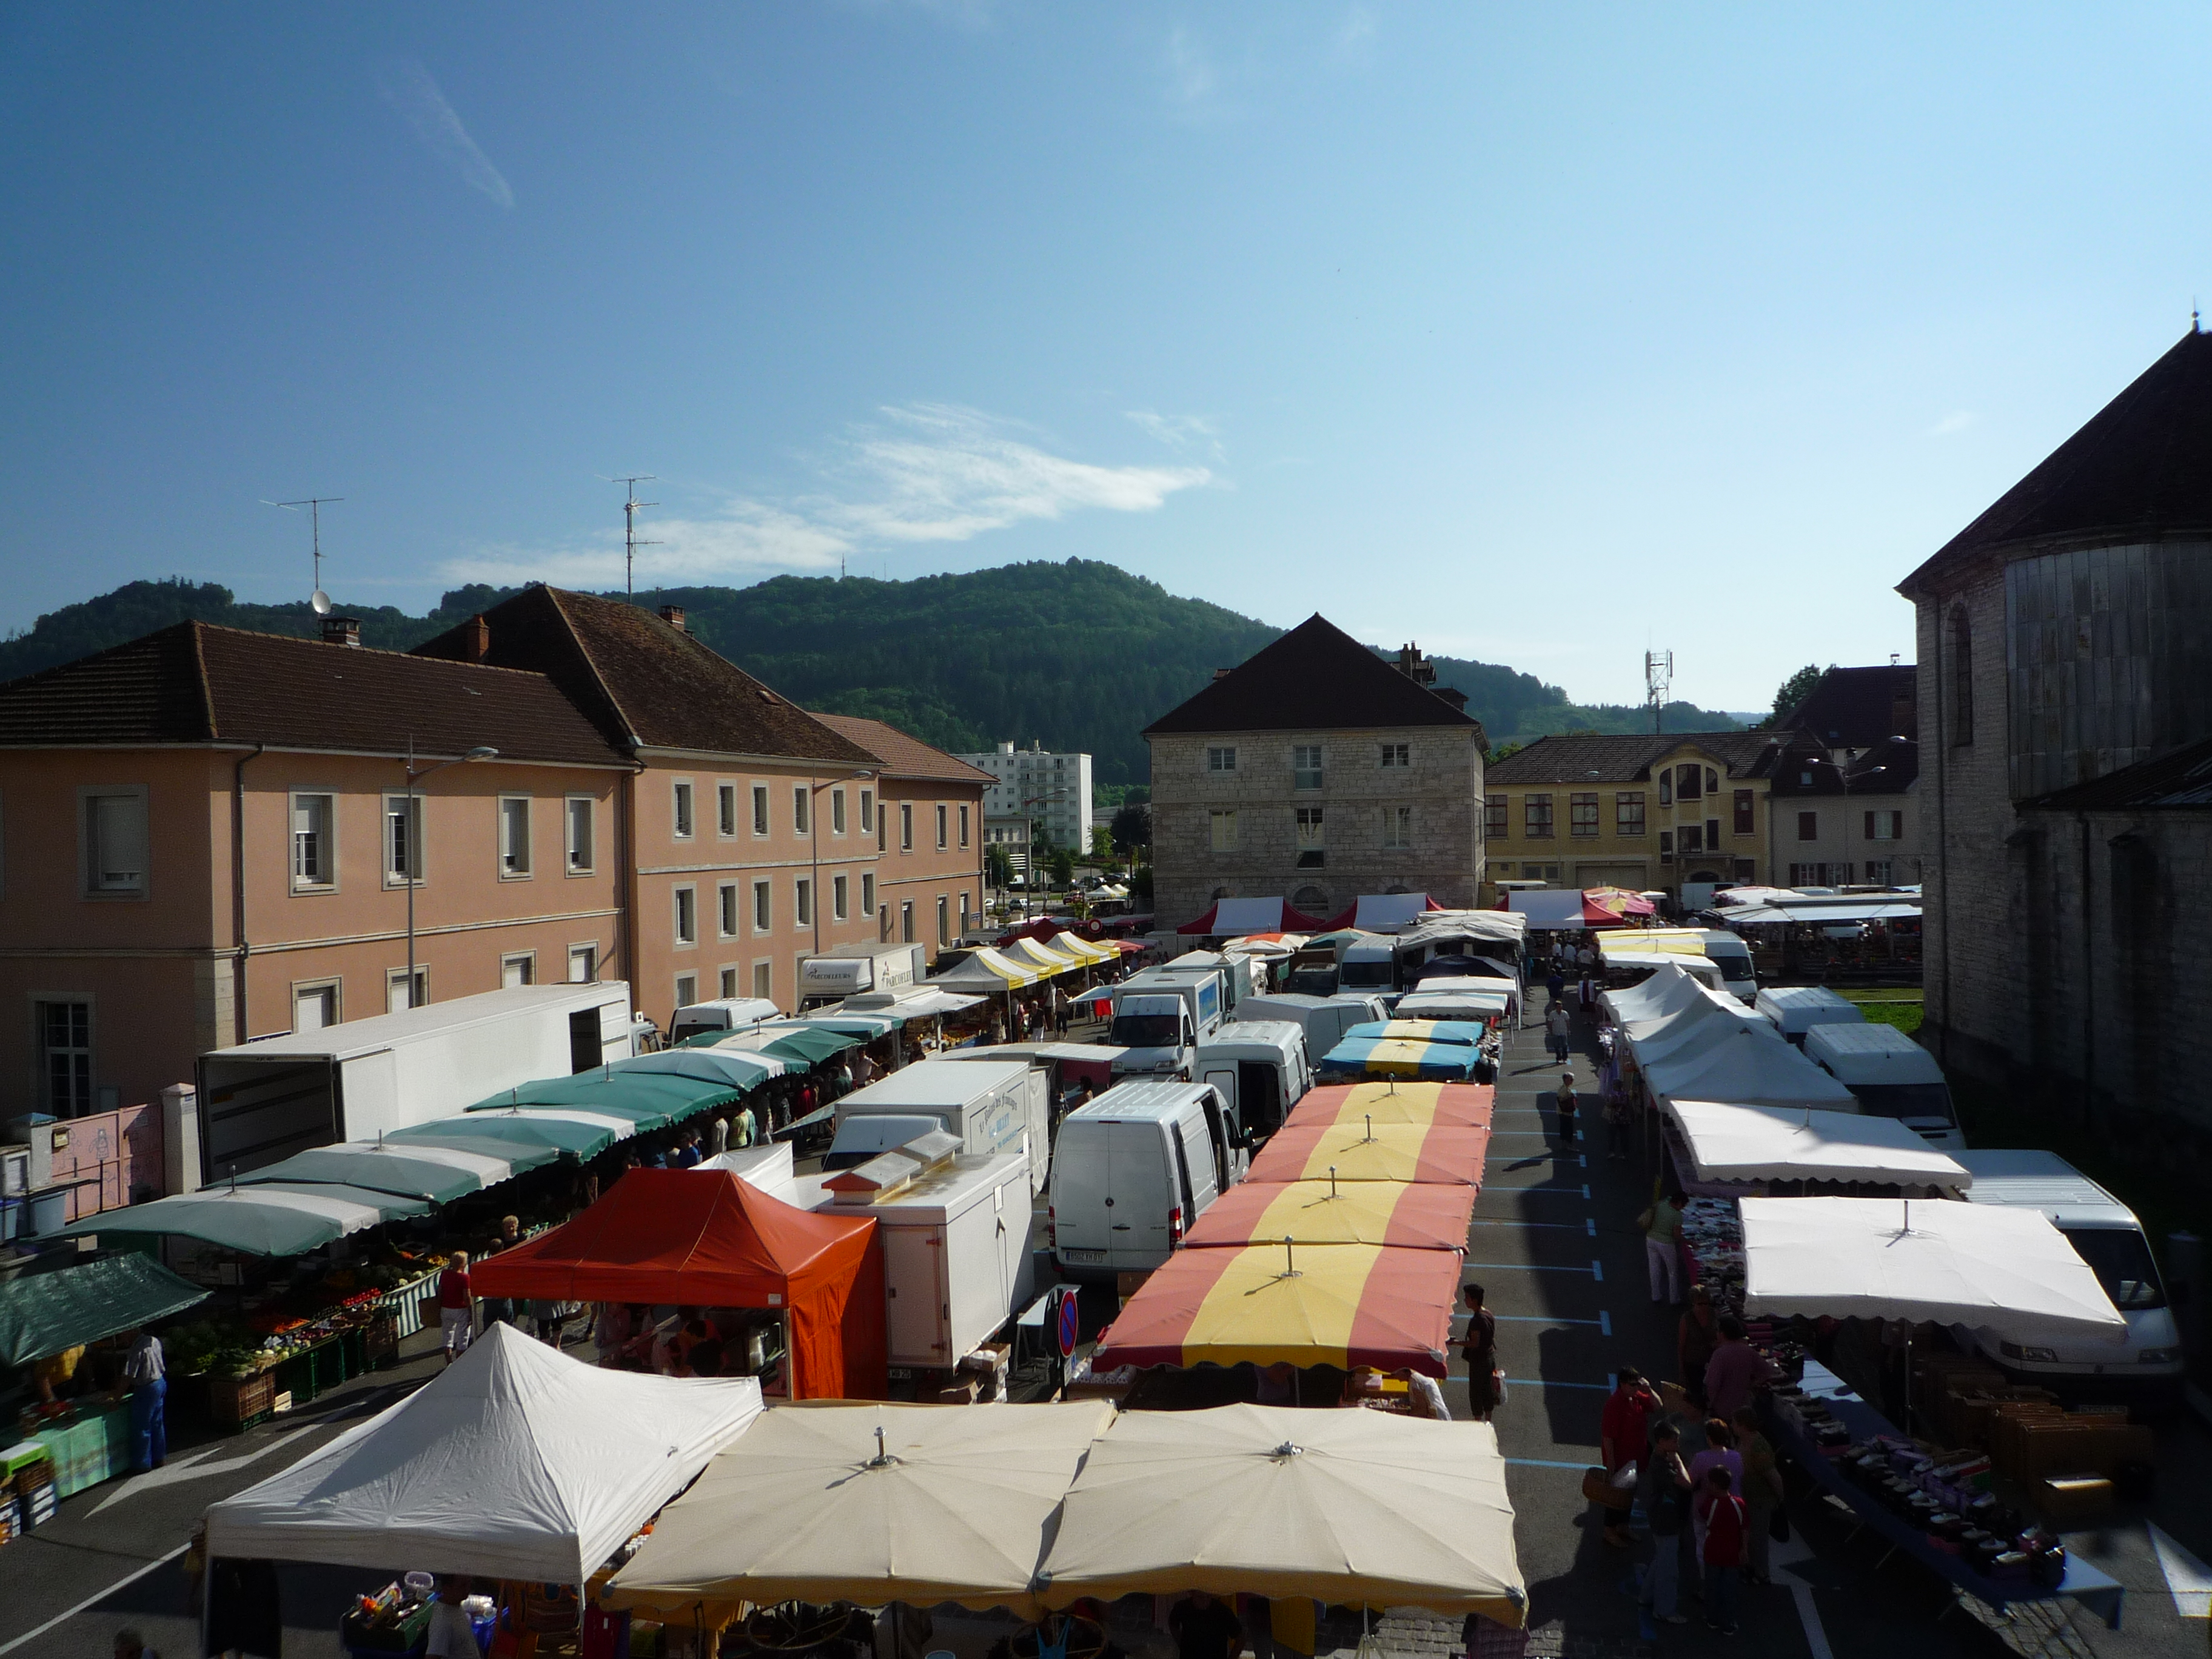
(1081, 655)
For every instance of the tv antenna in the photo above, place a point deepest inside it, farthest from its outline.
(318, 602)
(1658, 677)
(630, 543)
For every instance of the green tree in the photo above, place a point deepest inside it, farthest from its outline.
(1131, 828)
(998, 864)
(1062, 863)
(1791, 692)
(1102, 842)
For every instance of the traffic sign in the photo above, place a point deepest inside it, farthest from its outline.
(1068, 1325)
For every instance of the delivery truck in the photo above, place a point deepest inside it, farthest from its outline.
(1890, 1075)
(991, 1110)
(1139, 1165)
(845, 970)
(261, 1101)
(1324, 1020)
(1161, 1017)
(1259, 1068)
(723, 1014)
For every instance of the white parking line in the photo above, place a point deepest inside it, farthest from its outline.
(94, 1600)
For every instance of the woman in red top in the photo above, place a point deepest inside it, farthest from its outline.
(456, 1308)
(1726, 1537)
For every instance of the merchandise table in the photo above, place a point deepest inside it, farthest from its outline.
(94, 1448)
(2095, 1590)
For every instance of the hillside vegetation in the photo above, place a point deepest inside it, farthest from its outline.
(1080, 655)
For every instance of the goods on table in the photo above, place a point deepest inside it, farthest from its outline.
(1712, 1249)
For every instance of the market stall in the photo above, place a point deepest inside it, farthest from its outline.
(1445, 1050)
(674, 1237)
(1723, 1148)
(559, 1130)
(1362, 1150)
(868, 1504)
(1404, 1215)
(1380, 913)
(650, 1100)
(1226, 918)
(1327, 1304)
(1460, 997)
(1749, 1067)
(1466, 1104)
(1668, 990)
(733, 1068)
(434, 1173)
(985, 972)
(1048, 960)
(268, 1219)
(1342, 1507)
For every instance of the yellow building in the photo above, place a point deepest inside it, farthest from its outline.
(1640, 811)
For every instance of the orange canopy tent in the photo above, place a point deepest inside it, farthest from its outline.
(707, 1239)
(1329, 1305)
(1409, 1215)
(1397, 1100)
(1358, 1150)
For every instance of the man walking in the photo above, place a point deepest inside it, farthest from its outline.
(1724, 1518)
(1558, 1025)
(1569, 1107)
(146, 1374)
(1623, 1436)
(1664, 1492)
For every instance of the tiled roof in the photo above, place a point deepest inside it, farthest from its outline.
(2140, 470)
(1626, 756)
(1852, 708)
(903, 757)
(1315, 678)
(647, 682)
(194, 683)
(1897, 759)
(2180, 778)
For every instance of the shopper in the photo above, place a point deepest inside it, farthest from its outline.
(1762, 1494)
(1663, 1255)
(1623, 1437)
(450, 1634)
(1569, 1107)
(1723, 1517)
(1735, 1371)
(1479, 1348)
(1204, 1628)
(611, 1332)
(145, 1373)
(1664, 1492)
(1695, 1338)
(457, 1307)
(1558, 1027)
(721, 1138)
(1719, 1453)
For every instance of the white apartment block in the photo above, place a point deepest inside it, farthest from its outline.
(1049, 788)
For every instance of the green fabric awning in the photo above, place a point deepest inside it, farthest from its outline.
(392, 1170)
(508, 1133)
(276, 1220)
(649, 1100)
(389, 1207)
(808, 1046)
(42, 1314)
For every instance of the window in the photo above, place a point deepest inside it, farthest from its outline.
(403, 838)
(760, 809)
(1582, 815)
(65, 1049)
(679, 812)
(395, 990)
(687, 989)
(1305, 766)
(839, 892)
(726, 808)
(906, 921)
(964, 912)
(940, 828)
(944, 919)
(1879, 872)
(837, 811)
(1712, 834)
(763, 916)
(1494, 809)
(1746, 871)
(580, 836)
(1312, 855)
(800, 796)
(1396, 754)
(687, 915)
(906, 827)
(1809, 826)
(867, 810)
(1397, 828)
(1962, 678)
(115, 842)
(803, 889)
(1885, 826)
(867, 894)
(1666, 846)
(1222, 825)
(314, 861)
(964, 825)
(1692, 837)
(1536, 816)
(764, 980)
(1666, 788)
(1220, 759)
(1744, 825)
(314, 1007)
(513, 835)
(1314, 901)
(520, 968)
(583, 964)
(1628, 813)
(726, 895)
(729, 987)
(1687, 780)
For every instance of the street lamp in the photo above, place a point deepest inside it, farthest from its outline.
(415, 839)
(814, 846)
(1029, 872)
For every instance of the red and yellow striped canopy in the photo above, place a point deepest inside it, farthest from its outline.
(1464, 1104)
(1328, 1304)
(1382, 1151)
(1404, 1215)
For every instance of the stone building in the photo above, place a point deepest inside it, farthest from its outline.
(1316, 771)
(2065, 645)
(1846, 808)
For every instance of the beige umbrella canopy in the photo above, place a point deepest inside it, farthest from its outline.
(950, 1504)
(1342, 1506)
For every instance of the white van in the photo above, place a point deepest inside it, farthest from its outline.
(1324, 1020)
(991, 1109)
(1139, 1165)
(725, 1014)
(1368, 966)
(1261, 1069)
(1732, 956)
(2107, 1235)
(1796, 1009)
(1890, 1075)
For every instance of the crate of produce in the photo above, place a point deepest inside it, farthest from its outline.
(11, 1525)
(380, 1340)
(237, 1401)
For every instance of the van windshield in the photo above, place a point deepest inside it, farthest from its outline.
(1364, 973)
(1145, 1030)
(1734, 968)
(691, 1029)
(2122, 1262)
(1926, 1101)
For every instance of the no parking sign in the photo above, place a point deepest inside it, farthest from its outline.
(1067, 1322)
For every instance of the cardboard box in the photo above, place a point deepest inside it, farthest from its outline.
(2073, 1500)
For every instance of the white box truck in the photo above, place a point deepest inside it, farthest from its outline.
(1796, 1009)
(957, 1263)
(991, 1109)
(1160, 1017)
(261, 1101)
(1323, 1019)
(721, 1014)
(845, 970)
(1890, 1075)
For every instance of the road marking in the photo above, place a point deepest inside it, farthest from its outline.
(1541, 1318)
(1604, 1322)
(1484, 1221)
(1785, 1555)
(1536, 1187)
(1547, 1463)
(1545, 1382)
(1597, 1270)
(2188, 1580)
(194, 1467)
(94, 1600)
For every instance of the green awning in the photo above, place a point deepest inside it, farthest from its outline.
(508, 1133)
(649, 1100)
(389, 1207)
(287, 1221)
(808, 1045)
(42, 1314)
(392, 1170)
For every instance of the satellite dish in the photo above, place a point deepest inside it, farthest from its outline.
(319, 603)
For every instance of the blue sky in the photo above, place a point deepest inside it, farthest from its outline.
(1538, 334)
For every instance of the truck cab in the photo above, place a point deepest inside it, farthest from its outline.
(722, 1015)
(1160, 1017)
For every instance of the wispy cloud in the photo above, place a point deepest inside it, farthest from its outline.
(921, 473)
(1957, 421)
(1188, 68)
(409, 89)
(1355, 34)
(1188, 433)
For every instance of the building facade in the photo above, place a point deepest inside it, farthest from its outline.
(2065, 654)
(929, 835)
(1035, 787)
(1840, 823)
(1644, 813)
(1315, 772)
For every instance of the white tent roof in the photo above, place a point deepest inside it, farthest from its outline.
(1502, 926)
(1548, 907)
(1247, 915)
(1924, 1259)
(1668, 990)
(1458, 998)
(1707, 1017)
(1769, 1143)
(514, 1462)
(1748, 1068)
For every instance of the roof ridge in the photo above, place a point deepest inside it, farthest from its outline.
(555, 596)
(200, 677)
(325, 645)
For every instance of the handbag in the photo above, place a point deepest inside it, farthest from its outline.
(1598, 1487)
(1498, 1387)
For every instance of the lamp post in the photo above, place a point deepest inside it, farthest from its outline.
(1028, 884)
(814, 845)
(414, 832)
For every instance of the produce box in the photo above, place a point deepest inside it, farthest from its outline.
(2073, 1500)
(239, 1400)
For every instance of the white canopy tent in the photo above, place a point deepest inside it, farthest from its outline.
(516, 1462)
(1921, 1259)
(1669, 990)
(1872, 907)
(1455, 998)
(1709, 1017)
(1765, 1143)
(1548, 907)
(1748, 1068)
(1439, 926)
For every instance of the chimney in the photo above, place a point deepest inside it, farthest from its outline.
(1415, 666)
(342, 630)
(673, 616)
(1222, 673)
(476, 639)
